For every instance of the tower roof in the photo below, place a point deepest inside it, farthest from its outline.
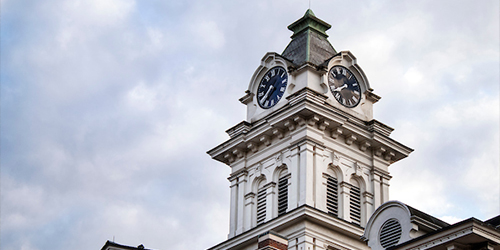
(309, 41)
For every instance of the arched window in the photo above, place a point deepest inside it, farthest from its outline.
(332, 195)
(261, 203)
(282, 192)
(355, 203)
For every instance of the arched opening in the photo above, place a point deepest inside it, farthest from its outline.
(283, 190)
(261, 202)
(355, 202)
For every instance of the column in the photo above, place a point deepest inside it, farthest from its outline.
(368, 207)
(319, 188)
(307, 174)
(345, 193)
(385, 188)
(234, 206)
(377, 188)
(251, 210)
(293, 193)
(270, 198)
(242, 184)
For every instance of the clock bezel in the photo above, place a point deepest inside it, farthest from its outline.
(331, 86)
(280, 89)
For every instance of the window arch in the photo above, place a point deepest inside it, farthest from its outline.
(333, 201)
(355, 202)
(261, 202)
(283, 191)
(332, 194)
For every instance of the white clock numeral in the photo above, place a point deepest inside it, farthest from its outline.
(266, 104)
(261, 94)
(354, 99)
(343, 101)
(267, 78)
(284, 80)
(350, 76)
(283, 75)
(272, 73)
(337, 95)
(282, 88)
(355, 84)
(338, 70)
(356, 92)
(272, 102)
(344, 72)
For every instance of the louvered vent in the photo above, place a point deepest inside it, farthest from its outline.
(332, 195)
(282, 195)
(261, 206)
(355, 200)
(390, 233)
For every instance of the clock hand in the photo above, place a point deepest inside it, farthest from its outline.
(340, 88)
(267, 93)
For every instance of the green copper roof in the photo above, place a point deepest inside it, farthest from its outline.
(309, 41)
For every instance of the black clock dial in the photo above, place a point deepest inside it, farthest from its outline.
(272, 87)
(344, 86)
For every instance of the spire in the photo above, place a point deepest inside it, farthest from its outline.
(309, 41)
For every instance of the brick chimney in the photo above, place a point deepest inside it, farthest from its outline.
(272, 241)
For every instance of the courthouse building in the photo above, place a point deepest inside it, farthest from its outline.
(310, 164)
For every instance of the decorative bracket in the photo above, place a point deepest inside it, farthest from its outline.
(357, 169)
(229, 157)
(252, 147)
(335, 159)
(299, 121)
(279, 159)
(389, 156)
(336, 132)
(238, 153)
(364, 145)
(290, 125)
(323, 125)
(278, 133)
(265, 139)
(380, 151)
(258, 170)
(350, 139)
(313, 120)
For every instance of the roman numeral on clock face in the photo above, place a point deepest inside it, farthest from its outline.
(344, 86)
(272, 87)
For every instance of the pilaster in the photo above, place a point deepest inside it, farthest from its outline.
(385, 188)
(377, 188)
(270, 197)
(250, 219)
(242, 184)
(293, 192)
(345, 194)
(233, 209)
(318, 188)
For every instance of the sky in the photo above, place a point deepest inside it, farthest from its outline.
(109, 106)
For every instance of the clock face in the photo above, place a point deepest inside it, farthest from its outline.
(272, 87)
(344, 86)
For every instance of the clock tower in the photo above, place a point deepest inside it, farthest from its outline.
(309, 163)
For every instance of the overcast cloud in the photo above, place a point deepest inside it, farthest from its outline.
(108, 108)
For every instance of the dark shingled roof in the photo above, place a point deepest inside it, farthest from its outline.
(309, 41)
(494, 222)
(427, 217)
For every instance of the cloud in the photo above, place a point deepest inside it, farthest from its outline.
(108, 108)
